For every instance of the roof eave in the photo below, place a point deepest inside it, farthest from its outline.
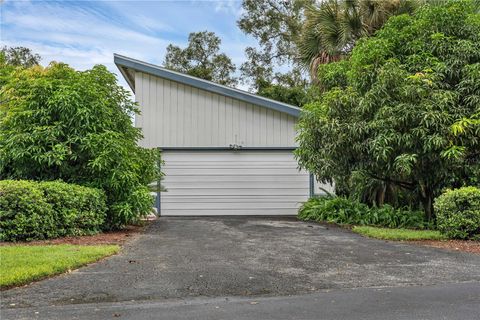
(124, 63)
(124, 72)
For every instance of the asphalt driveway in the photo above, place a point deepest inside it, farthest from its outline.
(241, 257)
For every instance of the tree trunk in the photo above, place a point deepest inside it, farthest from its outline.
(427, 201)
(381, 196)
(428, 207)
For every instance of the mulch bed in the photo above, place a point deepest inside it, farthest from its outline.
(111, 237)
(455, 245)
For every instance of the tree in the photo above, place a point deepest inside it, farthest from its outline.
(58, 123)
(257, 71)
(20, 57)
(5, 71)
(332, 27)
(15, 57)
(295, 96)
(276, 24)
(289, 88)
(388, 111)
(201, 58)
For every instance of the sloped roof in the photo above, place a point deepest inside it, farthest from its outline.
(128, 66)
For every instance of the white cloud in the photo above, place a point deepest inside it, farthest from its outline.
(231, 7)
(77, 36)
(86, 33)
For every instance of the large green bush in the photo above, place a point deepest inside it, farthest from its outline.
(345, 211)
(392, 111)
(42, 210)
(76, 126)
(458, 213)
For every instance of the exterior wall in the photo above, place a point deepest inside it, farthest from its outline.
(176, 115)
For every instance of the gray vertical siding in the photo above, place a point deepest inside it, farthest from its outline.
(177, 115)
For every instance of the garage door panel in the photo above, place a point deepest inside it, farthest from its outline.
(234, 198)
(233, 171)
(237, 191)
(250, 178)
(232, 183)
(236, 184)
(225, 156)
(240, 212)
(230, 164)
(229, 205)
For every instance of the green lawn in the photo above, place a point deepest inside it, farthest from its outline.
(398, 234)
(20, 264)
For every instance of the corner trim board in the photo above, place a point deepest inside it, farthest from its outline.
(311, 185)
(159, 190)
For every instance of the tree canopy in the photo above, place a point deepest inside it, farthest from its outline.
(201, 58)
(12, 58)
(276, 25)
(58, 123)
(393, 111)
(19, 57)
(332, 27)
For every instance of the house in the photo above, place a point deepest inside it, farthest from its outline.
(225, 151)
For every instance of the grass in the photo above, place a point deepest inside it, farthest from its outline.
(398, 234)
(20, 264)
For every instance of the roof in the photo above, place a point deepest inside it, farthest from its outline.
(128, 66)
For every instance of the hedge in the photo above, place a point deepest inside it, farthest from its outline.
(458, 213)
(32, 210)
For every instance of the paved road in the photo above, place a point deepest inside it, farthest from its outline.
(189, 263)
(452, 302)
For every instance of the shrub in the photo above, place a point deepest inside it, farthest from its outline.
(42, 210)
(77, 210)
(458, 213)
(59, 123)
(24, 212)
(345, 211)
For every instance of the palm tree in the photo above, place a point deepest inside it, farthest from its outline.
(332, 27)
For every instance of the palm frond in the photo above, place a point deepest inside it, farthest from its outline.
(332, 27)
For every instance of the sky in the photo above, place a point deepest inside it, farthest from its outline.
(85, 33)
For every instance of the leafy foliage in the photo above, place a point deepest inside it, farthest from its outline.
(201, 58)
(332, 27)
(276, 26)
(345, 211)
(296, 96)
(43, 210)
(77, 210)
(20, 57)
(12, 58)
(288, 88)
(58, 123)
(390, 115)
(375, 192)
(458, 213)
(289, 92)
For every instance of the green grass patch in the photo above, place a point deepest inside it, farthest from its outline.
(398, 234)
(20, 264)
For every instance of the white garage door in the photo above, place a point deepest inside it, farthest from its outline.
(232, 183)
